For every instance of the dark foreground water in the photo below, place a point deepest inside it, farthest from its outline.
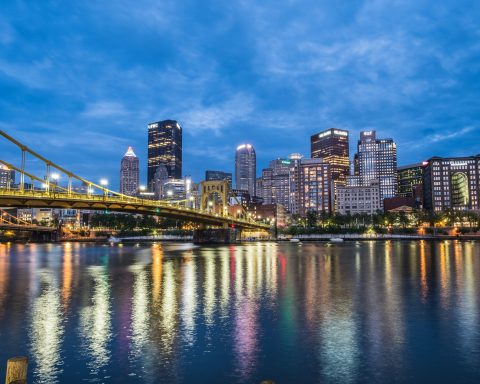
(371, 312)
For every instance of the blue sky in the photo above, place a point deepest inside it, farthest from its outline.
(80, 80)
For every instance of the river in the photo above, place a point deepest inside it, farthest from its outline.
(352, 312)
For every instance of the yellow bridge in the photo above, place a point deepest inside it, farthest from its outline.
(47, 193)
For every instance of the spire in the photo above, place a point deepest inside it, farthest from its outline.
(130, 152)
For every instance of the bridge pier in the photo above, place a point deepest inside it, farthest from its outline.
(216, 236)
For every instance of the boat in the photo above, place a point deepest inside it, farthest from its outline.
(336, 239)
(113, 239)
(294, 240)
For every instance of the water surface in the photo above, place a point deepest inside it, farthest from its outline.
(369, 312)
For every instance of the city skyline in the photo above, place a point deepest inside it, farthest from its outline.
(232, 79)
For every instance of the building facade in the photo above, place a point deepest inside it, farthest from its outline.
(275, 182)
(164, 148)
(332, 146)
(246, 169)
(7, 177)
(358, 200)
(310, 187)
(376, 161)
(129, 173)
(409, 177)
(451, 183)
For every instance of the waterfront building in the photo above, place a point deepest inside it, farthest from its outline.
(310, 186)
(452, 182)
(332, 145)
(129, 173)
(164, 148)
(358, 199)
(219, 176)
(376, 161)
(246, 169)
(7, 176)
(409, 177)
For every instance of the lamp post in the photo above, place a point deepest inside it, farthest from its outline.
(104, 184)
(55, 177)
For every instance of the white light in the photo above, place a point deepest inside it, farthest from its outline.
(44, 185)
(55, 176)
(170, 193)
(90, 190)
(210, 203)
(142, 188)
(103, 182)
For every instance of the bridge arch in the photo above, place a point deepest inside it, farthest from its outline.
(210, 189)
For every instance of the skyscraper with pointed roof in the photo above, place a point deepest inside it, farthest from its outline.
(129, 173)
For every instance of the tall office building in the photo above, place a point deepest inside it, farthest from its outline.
(7, 176)
(219, 176)
(310, 186)
(275, 182)
(409, 177)
(129, 173)
(164, 148)
(333, 147)
(452, 183)
(246, 169)
(377, 162)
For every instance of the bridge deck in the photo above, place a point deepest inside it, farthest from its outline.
(51, 199)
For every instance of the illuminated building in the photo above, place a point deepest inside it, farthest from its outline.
(7, 177)
(409, 177)
(376, 161)
(129, 173)
(310, 186)
(246, 169)
(357, 200)
(332, 146)
(451, 183)
(164, 148)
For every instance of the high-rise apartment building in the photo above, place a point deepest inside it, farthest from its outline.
(246, 169)
(332, 146)
(452, 183)
(377, 162)
(129, 173)
(310, 186)
(409, 177)
(164, 148)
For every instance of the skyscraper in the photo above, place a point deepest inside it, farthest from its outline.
(246, 168)
(377, 162)
(164, 148)
(129, 173)
(332, 146)
(275, 183)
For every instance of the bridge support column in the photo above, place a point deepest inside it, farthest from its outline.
(216, 236)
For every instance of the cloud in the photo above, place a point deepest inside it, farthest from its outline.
(104, 109)
(216, 118)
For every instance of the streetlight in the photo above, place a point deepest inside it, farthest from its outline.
(104, 183)
(55, 177)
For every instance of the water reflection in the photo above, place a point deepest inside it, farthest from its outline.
(95, 320)
(352, 312)
(47, 330)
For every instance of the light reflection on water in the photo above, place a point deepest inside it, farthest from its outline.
(350, 313)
